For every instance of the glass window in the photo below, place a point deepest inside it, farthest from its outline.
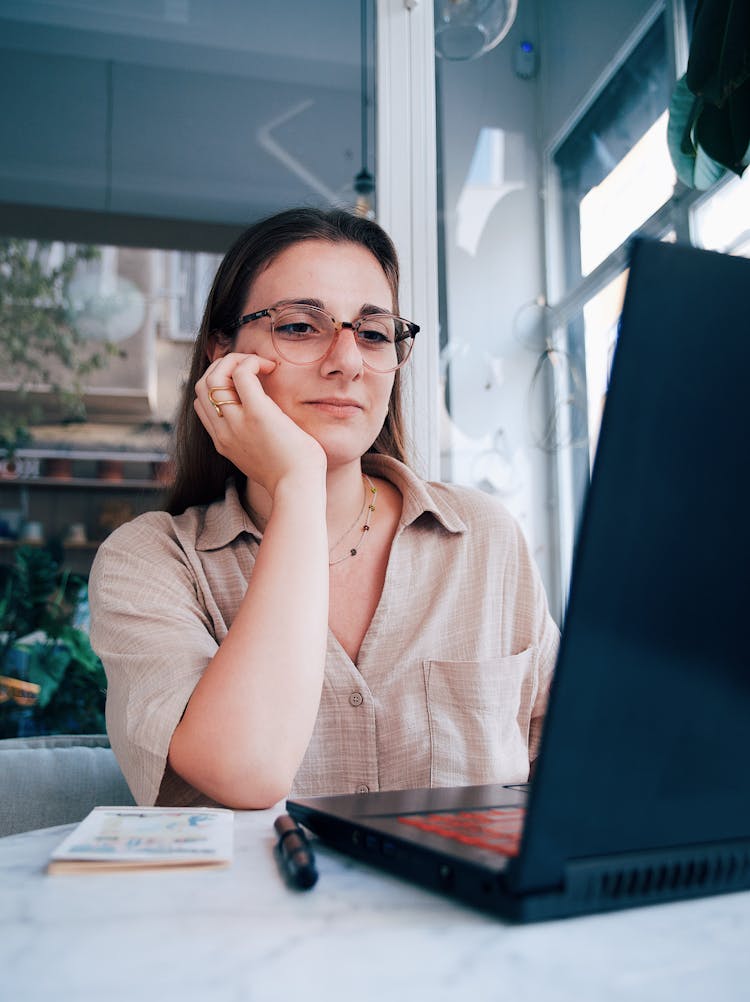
(215, 114)
(134, 148)
(721, 221)
(614, 166)
(189, 276)
(640, 183)
(601, 317)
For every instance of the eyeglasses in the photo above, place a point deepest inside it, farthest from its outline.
(305, 334)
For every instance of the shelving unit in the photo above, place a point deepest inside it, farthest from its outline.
(62, 487)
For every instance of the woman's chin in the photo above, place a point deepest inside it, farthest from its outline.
(342, 453)
(340, 445)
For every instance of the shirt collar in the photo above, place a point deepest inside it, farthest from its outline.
(420, 497)
(226, 519)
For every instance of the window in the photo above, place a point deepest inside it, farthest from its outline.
(189, 276)
(600, 319)
(615, 178)
(614, 168)
(633, 190)
(721, 220)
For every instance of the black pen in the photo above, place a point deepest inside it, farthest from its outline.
(294, 852)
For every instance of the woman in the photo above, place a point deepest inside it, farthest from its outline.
(310, 616)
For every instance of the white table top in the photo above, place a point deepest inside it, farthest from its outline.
(240, 935)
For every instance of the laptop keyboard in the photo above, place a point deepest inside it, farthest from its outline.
(497, 829)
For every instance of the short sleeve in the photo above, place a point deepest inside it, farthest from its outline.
(154, 637)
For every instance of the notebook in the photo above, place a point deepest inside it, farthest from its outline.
(134, 838)
(642, 791)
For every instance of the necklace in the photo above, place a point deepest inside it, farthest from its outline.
(373, 493)
(343, 535)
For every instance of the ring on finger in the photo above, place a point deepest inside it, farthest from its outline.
(217, 404)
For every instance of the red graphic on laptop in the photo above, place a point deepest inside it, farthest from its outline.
(497, 829)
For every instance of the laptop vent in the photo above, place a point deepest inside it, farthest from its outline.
(705, 872)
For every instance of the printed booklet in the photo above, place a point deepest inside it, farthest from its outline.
(127, 838)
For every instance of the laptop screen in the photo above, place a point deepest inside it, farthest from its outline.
(649, 710)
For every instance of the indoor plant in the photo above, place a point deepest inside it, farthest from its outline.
(43, 638)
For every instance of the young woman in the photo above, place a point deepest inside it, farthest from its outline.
(310, 616)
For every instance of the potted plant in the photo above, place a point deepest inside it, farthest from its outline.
(43, 640)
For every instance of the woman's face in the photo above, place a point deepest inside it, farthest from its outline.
(338, 401)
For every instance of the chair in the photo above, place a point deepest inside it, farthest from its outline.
(56, 780)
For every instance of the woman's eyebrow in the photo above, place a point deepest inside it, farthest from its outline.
(368, 308)
(298, 301)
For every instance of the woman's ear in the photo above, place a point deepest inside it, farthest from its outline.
(218, 345)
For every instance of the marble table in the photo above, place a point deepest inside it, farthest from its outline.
(241, 935)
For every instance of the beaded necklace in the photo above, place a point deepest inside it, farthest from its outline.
(373, 493)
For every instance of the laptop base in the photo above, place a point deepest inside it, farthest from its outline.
(592, 885)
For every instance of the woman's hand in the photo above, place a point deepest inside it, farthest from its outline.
(250, 429)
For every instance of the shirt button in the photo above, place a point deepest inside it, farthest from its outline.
(356, 699)
(363, 788)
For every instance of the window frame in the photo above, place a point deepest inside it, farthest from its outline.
(407, 201)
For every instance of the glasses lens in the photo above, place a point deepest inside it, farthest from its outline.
(384, 340)
(302, 333)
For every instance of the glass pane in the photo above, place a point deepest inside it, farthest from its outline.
(493, 365)
(601, 320)
(94, 342)
(614, 166)
(139, 140)
(642, 182)
(722, 221)
(213, 112)
(600, 317)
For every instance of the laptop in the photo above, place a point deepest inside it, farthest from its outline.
(642, 787)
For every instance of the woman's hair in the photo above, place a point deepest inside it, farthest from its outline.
(200, 473)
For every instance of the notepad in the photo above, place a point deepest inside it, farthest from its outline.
(128, 838)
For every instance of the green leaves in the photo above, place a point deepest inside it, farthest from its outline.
(46, 666)
(32, 597)
(37, 608)
(65, 663)
(39, 341)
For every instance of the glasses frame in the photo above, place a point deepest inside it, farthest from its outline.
(339, 326)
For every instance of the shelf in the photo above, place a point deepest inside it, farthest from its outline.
(97, 483)
(92, 454)
(89, 546)
(96, 488)
(96, 469)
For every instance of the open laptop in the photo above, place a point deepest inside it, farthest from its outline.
(642, 788)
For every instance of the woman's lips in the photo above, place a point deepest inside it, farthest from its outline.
(337, 406)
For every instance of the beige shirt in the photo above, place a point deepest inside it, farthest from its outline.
(453, 674)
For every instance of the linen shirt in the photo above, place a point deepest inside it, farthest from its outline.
(451, 681)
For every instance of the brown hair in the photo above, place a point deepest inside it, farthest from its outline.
(200, 473)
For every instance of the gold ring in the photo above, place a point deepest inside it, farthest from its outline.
(217, 404)
(218, 389)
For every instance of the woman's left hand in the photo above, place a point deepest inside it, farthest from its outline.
(248, 427)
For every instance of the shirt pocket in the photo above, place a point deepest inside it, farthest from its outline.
(479, 714)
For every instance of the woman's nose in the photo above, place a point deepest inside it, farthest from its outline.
(344, 355)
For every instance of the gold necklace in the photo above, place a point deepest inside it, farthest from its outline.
(373, 491)
(361, 512)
